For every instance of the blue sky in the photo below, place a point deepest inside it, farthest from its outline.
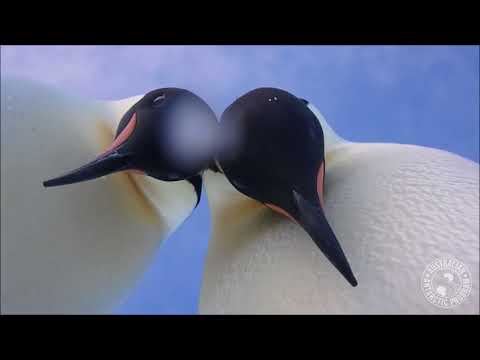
(424, 95)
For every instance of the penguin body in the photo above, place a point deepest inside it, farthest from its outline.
(79, 248)
(394, 208)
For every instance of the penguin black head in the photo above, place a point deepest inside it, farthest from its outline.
(168, 135)
(277, 158)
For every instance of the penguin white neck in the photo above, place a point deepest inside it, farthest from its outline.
(331, 138)
(120, 107)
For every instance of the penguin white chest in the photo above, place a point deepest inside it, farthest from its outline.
(394, 208)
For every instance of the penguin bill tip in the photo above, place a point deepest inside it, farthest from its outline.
(312, 218)
(54, 182)
(49, 183)
(58, 181)
(352, 281)
(344, 269)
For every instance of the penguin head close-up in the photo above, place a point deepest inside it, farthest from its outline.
(278, 159)
(168, 134)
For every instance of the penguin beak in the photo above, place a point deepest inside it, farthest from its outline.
(312, 219)
(109, 162)
(105, 164)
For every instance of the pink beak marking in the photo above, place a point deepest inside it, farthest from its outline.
(123, 136)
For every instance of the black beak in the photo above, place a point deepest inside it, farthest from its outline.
(313, 220)
(104, 165)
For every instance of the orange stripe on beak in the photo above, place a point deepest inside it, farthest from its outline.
(123, 136)
(280, 211)
(320, 179)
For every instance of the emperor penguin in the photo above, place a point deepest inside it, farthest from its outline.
(380, 213)
(82, 248)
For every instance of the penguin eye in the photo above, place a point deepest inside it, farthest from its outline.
(159, 99)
